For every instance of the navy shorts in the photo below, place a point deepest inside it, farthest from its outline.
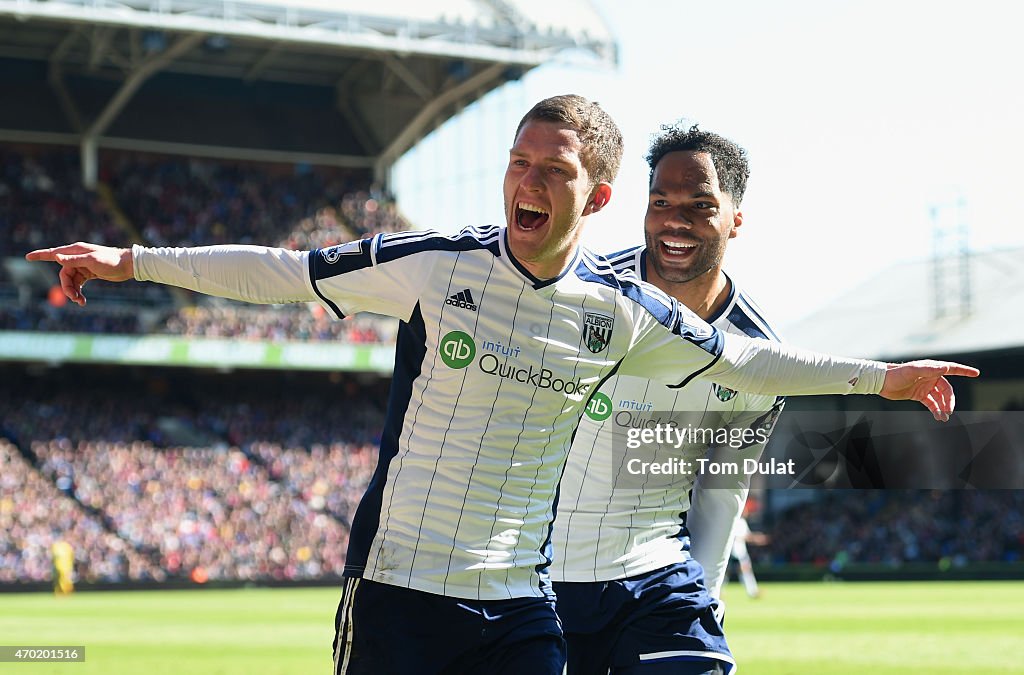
(643, 624)
(389, 630)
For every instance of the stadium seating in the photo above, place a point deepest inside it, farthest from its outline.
(108, 477)
(34, 513)
(173, 201)
(895, 527)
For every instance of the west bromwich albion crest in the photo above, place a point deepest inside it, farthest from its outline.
(723, 393)
(597, 331)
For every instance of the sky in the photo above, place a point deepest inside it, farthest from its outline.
(866, 123)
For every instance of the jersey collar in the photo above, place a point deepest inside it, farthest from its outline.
(518, 266)
(726, 306)
(729, 302)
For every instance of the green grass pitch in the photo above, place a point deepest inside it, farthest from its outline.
(826, 629)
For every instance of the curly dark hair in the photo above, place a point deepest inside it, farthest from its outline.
(730, 159)
(598, 133)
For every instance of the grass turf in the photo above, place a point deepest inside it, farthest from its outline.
(880, 628)
(826, 629)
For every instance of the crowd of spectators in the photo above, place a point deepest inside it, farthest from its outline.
(894, 527)
(266, 492)
(177, 201)
(34, 514)
(210, 513)
(199, 202)
(180, 201)
(362, 213)
(46, 318)
(42, 201)
(302, 322)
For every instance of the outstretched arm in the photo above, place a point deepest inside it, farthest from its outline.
(250, 273)
(763, 367)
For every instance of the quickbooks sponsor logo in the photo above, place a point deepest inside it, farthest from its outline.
(600, 407)
(457, 349)
(540, 378)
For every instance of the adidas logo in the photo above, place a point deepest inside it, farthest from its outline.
(463, 299)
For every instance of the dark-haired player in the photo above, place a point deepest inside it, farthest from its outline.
(636, 593)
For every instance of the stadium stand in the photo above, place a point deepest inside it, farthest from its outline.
(897, 527)
(302, 322)
(172, 201)
(34, 513)
(42, 200)
(251, 497)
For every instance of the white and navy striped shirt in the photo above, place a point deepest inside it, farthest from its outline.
(605, 530)
(493, 368)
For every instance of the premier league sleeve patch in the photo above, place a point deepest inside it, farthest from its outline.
(340, 259)
(333, 254)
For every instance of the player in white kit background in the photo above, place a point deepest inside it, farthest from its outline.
(741, 536)
(450, 545)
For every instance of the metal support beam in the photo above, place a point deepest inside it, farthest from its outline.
(334, 29)
(90, 162)
(408, 77)
(56, 80)
(417, 128)
(101, 37)
(357, 123)
(137, 78)
(121, 98)
(261, 63)
(344, 97)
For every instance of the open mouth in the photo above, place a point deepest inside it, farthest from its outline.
(530, 217)
(677, 249)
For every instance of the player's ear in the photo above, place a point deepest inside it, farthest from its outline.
(737, 220)
(599, 198)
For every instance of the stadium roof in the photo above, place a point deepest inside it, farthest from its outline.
(186, 72)
(891, 316)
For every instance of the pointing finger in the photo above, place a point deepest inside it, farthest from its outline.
(961, 370)
(51, 254)
(45, 254)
